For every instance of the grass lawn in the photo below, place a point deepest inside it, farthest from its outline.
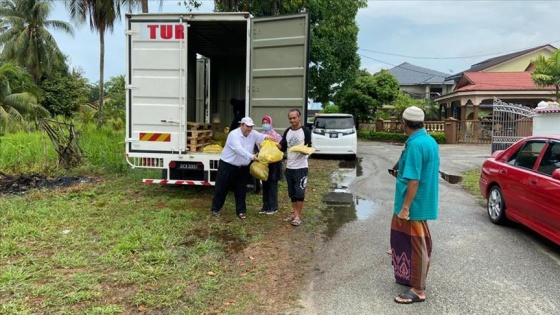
(470, 184)
(117, 246)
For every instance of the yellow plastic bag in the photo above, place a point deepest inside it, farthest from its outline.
(269, 152)
(259, 170)
(303, 149)
(213, 148)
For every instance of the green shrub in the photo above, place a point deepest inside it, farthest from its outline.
(364, 134)
(393, 136)
(331, 109)
(439, 136)
(33, 152)
(23, 152)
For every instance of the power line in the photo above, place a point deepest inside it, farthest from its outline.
(399, 66)
(443, 58)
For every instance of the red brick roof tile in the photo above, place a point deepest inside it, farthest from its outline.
(501, 81)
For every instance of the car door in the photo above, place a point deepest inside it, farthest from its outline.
(545, 191)
(516, 180)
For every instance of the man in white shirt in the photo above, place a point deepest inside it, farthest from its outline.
(233, 169)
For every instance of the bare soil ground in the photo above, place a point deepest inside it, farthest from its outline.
(20, 185)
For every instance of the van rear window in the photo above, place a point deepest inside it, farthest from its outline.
(334, 122)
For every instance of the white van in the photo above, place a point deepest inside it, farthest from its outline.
(334, 134)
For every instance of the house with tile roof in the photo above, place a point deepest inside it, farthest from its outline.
(513, 62)
(506, 77)
(421, 82)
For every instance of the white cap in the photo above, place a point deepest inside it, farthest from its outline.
(413, 113)
(247, 121)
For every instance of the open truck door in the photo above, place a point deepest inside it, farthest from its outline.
(278, 67)
(156, 87)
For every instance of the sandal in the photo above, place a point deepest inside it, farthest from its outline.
(296, 222)
(408, 297)
(289, 218)
(242, 216)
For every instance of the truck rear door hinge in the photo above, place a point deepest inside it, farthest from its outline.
(130, 87)
(130, 32)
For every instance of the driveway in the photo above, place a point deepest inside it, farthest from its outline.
(477, 267)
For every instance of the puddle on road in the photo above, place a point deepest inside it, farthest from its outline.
(343, 207)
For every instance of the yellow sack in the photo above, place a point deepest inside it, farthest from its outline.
(269, 152)
(259, 170)
(303, 149)
(213, 148)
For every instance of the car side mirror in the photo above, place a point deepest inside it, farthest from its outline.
(556, 174)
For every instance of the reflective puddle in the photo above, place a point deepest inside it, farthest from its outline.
(343, 207)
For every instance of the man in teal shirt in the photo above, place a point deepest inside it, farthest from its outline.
(416, 201)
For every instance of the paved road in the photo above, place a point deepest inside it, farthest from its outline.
(477, 267)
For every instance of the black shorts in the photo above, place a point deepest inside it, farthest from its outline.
(297, 180)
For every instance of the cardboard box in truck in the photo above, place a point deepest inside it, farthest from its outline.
(182, 71)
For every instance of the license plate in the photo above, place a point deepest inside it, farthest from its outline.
(334, 135)
(191, 166)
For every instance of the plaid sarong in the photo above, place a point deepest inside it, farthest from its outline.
(411, 247)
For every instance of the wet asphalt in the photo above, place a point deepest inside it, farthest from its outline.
(477, 267)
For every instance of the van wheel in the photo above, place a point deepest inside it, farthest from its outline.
(496, 206)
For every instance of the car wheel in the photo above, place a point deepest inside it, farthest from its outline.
(496, 205)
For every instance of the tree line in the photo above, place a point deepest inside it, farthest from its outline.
(36, 81)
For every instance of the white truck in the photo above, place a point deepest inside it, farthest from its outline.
(182, 71)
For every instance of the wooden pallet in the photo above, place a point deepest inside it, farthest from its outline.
(198, 140)
(198, 126)
(197, 147)
(199, 134)
(197, 144)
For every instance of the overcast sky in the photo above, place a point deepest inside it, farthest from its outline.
(447, 36)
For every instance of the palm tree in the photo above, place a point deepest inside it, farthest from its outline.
(101, 15)
(547, 72)
(25, 38)
(189, 4)
(17, 107)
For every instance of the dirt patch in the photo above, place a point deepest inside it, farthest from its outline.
(24, 183)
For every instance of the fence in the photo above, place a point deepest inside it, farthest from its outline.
(394, 125)
(474, 131)
(469, 131)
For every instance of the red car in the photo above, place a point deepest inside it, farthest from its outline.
(522, 184)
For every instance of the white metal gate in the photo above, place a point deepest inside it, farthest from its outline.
(510, 123)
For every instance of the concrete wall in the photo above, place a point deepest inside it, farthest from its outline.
(544, 124)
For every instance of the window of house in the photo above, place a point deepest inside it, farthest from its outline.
(436, 92)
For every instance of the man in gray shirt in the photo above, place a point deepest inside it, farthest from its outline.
(296, 167)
